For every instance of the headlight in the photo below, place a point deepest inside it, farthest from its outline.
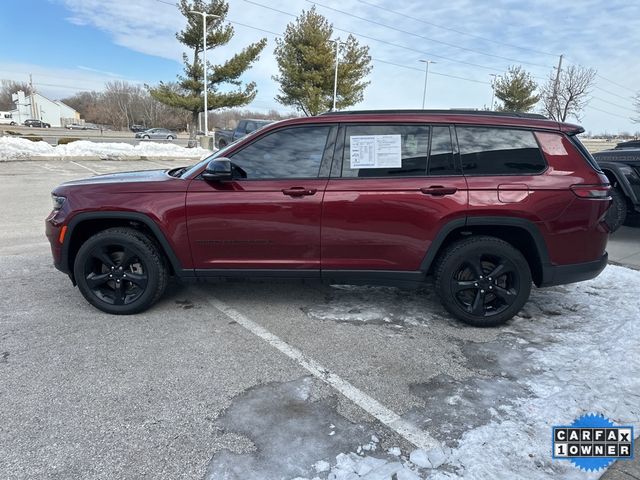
(57, 201)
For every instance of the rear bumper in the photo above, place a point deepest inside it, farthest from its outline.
(577, 272)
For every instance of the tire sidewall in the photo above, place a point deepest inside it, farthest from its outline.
(617, 213)
(489, 246)
(137, 245)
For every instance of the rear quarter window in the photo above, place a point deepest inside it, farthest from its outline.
(499, 151)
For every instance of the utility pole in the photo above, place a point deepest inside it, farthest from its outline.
(556, 85)
(335, 75)
(493, 89)
(204, 63)
(426, 76)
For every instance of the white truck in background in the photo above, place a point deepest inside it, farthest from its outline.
(6, 118)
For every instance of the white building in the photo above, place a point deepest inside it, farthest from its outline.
(39, 107)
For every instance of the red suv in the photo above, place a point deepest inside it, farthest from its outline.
(485, 203)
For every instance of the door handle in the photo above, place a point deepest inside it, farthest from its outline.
(299, 191)
(438, 190)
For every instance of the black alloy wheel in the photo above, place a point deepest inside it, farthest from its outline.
(120, 271)
(483, 281)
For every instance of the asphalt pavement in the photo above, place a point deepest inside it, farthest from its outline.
(220, 380)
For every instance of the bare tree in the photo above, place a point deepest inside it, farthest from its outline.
(636, 105)
(9, 87)
(571, 95)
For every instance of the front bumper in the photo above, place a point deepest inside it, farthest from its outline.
(577, 272)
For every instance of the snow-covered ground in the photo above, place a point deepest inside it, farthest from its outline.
(572, 350)
(12, 148)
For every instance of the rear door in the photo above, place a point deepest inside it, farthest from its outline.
(392, 188)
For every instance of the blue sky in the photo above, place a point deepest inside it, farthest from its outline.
(72, 45)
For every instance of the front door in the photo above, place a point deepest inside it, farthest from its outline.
(267, 218)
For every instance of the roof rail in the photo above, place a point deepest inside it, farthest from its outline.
(454, 111)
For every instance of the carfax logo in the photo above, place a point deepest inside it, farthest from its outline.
(592, 442)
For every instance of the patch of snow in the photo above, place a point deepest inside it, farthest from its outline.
(568, 353)
(322, 466)
(395, 451)
(12, 148)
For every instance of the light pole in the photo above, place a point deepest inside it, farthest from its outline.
(493, 89)
(204, 62)
(426, 76)
(335, 76)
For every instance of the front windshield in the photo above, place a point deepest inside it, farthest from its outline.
(218, 153)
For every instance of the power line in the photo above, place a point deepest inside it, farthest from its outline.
(396, 45)
(608, 113)
(611, 93)
(454, 30)
(426, 38)
(430, 72)
(613, 104)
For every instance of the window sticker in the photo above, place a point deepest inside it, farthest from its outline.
(376, 151)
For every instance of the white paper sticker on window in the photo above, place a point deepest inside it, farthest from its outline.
(376, 151)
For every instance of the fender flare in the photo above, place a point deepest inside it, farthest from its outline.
(132, 216)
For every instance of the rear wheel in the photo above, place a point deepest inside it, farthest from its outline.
(617, 213)
(222, 144)
(169, 137)
(146, 137)
(483, 281)
(120, 271)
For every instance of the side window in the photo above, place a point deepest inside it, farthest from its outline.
(441, 160)
(385, 151)
(499, 151)
(250, 127)
(288, 153)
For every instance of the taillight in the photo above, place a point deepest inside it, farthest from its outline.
(596, 192)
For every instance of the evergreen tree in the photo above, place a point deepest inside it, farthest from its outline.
(306, 64)
(187, 93)
(516, 89)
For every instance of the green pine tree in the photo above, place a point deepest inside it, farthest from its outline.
(306, 64)
(187, 93)
(516, 89)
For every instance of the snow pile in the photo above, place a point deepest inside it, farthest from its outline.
(12, 148)
(572, 350)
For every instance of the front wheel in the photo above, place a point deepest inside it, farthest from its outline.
(120, 271)
(483, 281)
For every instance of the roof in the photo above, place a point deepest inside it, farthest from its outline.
(456, 117)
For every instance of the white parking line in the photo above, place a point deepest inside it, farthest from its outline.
(407, 430)
(86, 168)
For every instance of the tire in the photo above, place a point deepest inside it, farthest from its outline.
(222, 144)
(146, 137)
(169, 137)
(617, 213)
(483, 281)
(106, 265)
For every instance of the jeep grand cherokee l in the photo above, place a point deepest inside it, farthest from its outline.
(485, 203)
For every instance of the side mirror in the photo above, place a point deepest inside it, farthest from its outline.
(217, 170)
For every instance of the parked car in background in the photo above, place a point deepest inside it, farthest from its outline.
(36, 123)
(85, 126)
(157, 133)
(223, 138)
(137, 128)
(485, 203)
(629, 144)
(622, 167)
